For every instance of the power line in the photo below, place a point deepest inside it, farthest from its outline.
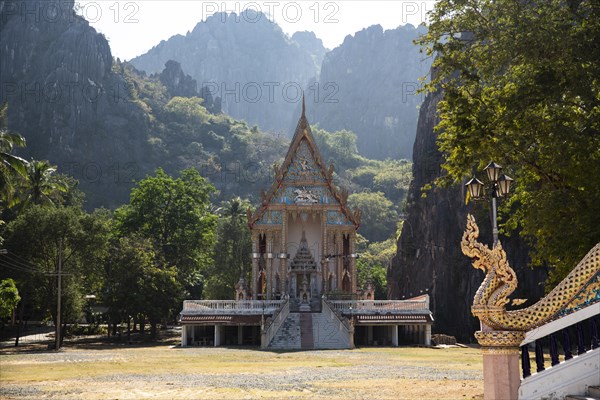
(13, 263)
(20, 260)
(15, 267)
(16, 261)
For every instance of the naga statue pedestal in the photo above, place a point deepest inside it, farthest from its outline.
(501, 372)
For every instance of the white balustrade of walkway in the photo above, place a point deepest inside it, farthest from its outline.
(379, 306)
(246, 307)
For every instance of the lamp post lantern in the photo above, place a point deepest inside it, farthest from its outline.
(499, 186)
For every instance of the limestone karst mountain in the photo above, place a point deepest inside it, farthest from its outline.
(105, 123)
(369, 85)
(247, 61)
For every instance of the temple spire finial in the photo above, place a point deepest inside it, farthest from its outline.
(303, 106)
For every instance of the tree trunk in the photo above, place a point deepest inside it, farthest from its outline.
(142, 325)
(62, 333)
(128, 329)
(153, 329)
(21, 312)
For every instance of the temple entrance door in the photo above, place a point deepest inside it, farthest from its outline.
(346, 284)
(260, 284)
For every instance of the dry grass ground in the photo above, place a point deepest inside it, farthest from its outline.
(167, 372)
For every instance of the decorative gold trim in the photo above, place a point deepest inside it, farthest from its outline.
(489, 304)
(508, 339)
(500, 350)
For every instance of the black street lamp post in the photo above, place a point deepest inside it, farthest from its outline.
(499, 186)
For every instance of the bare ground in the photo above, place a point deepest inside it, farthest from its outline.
(164, 371)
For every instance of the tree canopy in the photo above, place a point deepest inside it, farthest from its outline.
(520, 86)
(232, 251)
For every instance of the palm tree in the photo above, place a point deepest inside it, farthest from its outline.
(42, 187)
(12, 168)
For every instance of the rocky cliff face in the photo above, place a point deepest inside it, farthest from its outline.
(429, 258)
(63, 96)
(312, 45)
(256, 69)
(368, 85)
(179, 84)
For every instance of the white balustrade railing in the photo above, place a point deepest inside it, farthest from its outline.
(580, 355)
(278, 319)
(333, 315)
(231, 306)
(384, 306)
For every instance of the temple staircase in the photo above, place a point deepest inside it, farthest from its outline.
(306, 331)
(288, 336)
(316, 328)
(593, 394)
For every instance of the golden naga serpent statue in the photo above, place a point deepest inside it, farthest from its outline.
(490, 301)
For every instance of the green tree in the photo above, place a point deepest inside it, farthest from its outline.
(337, 147)
(187, 109)
(137, 284)
(174, 215)
(520, 86)
(11, 166)
(9, 297)
(41, 186)
(376, 274)
(379, 218)
(38, 235)
(232, 251)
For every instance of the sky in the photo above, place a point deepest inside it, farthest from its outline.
(134, 27)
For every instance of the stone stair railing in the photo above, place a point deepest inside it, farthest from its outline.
(336, 315)
(572, 370)
(274, 323)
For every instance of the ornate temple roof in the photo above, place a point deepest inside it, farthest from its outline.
(303, 163)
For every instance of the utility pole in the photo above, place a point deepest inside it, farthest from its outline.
(57, 346)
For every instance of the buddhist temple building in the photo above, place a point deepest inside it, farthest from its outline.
(303, 290)
(303, 233)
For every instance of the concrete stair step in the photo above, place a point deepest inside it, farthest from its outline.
(288, 335)
(594, 391)
(571, 397)
(306, 331)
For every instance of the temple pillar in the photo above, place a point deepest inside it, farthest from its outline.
(427, 335)
(394, 335)
(321, 260)
(255, 248)
(184, 329)
(283, 262)
(501, 373)
(369, 335)
(353, 264)
(218, 330)
(240, 338)
(269, 266)
(339, 260)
